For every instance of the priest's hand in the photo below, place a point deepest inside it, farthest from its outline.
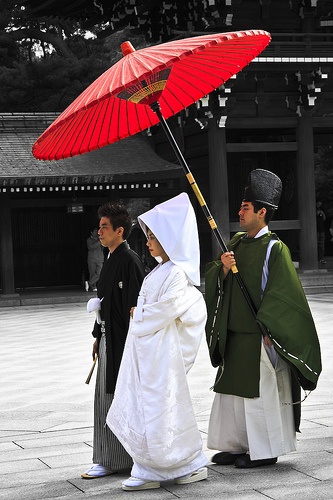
(228, 260)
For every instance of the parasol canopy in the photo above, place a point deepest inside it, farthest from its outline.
(174, 75)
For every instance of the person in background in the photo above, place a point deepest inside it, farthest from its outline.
(95, 260)
(117, 291)
(256, 408)
(152, 413)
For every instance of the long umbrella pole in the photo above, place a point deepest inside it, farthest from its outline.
(156, 108)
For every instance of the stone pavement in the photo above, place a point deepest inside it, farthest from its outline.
(46, 416)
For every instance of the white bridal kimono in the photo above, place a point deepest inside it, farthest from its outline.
(152, 413)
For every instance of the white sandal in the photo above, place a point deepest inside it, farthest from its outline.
(197, 475)
(97, 471)
(135, 484)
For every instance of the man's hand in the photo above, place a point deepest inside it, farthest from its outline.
(95, 349)
(228, 260)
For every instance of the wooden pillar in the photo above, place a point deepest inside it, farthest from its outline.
(6, 247)
(306, 194)
(218, 180)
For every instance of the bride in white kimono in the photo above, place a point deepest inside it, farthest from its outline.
(151, 413)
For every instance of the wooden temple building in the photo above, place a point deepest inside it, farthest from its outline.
(274, 114)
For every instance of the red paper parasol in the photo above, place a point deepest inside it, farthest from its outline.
(174, 74)
(145, 88)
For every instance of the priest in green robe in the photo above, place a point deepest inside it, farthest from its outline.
(265, 359)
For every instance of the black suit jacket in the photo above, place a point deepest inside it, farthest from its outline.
(119, 285)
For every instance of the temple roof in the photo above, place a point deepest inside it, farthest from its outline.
(128, 160)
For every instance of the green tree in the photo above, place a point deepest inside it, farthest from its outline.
(45, 64)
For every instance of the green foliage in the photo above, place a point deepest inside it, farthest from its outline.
(45, 65)
(49, 84)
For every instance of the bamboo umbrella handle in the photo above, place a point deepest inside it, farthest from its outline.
(91, 370)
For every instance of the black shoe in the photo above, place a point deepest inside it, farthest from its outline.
(246, 463)
(226, 458)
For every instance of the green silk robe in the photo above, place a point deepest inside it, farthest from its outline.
(233, 335)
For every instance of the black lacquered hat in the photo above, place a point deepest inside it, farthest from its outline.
(264, 187)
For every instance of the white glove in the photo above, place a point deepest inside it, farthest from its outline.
(94, 305)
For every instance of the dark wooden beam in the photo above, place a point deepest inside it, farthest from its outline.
(218, 180)
(264, 122)
(6, 247)
(240, 147)
(306, 194)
